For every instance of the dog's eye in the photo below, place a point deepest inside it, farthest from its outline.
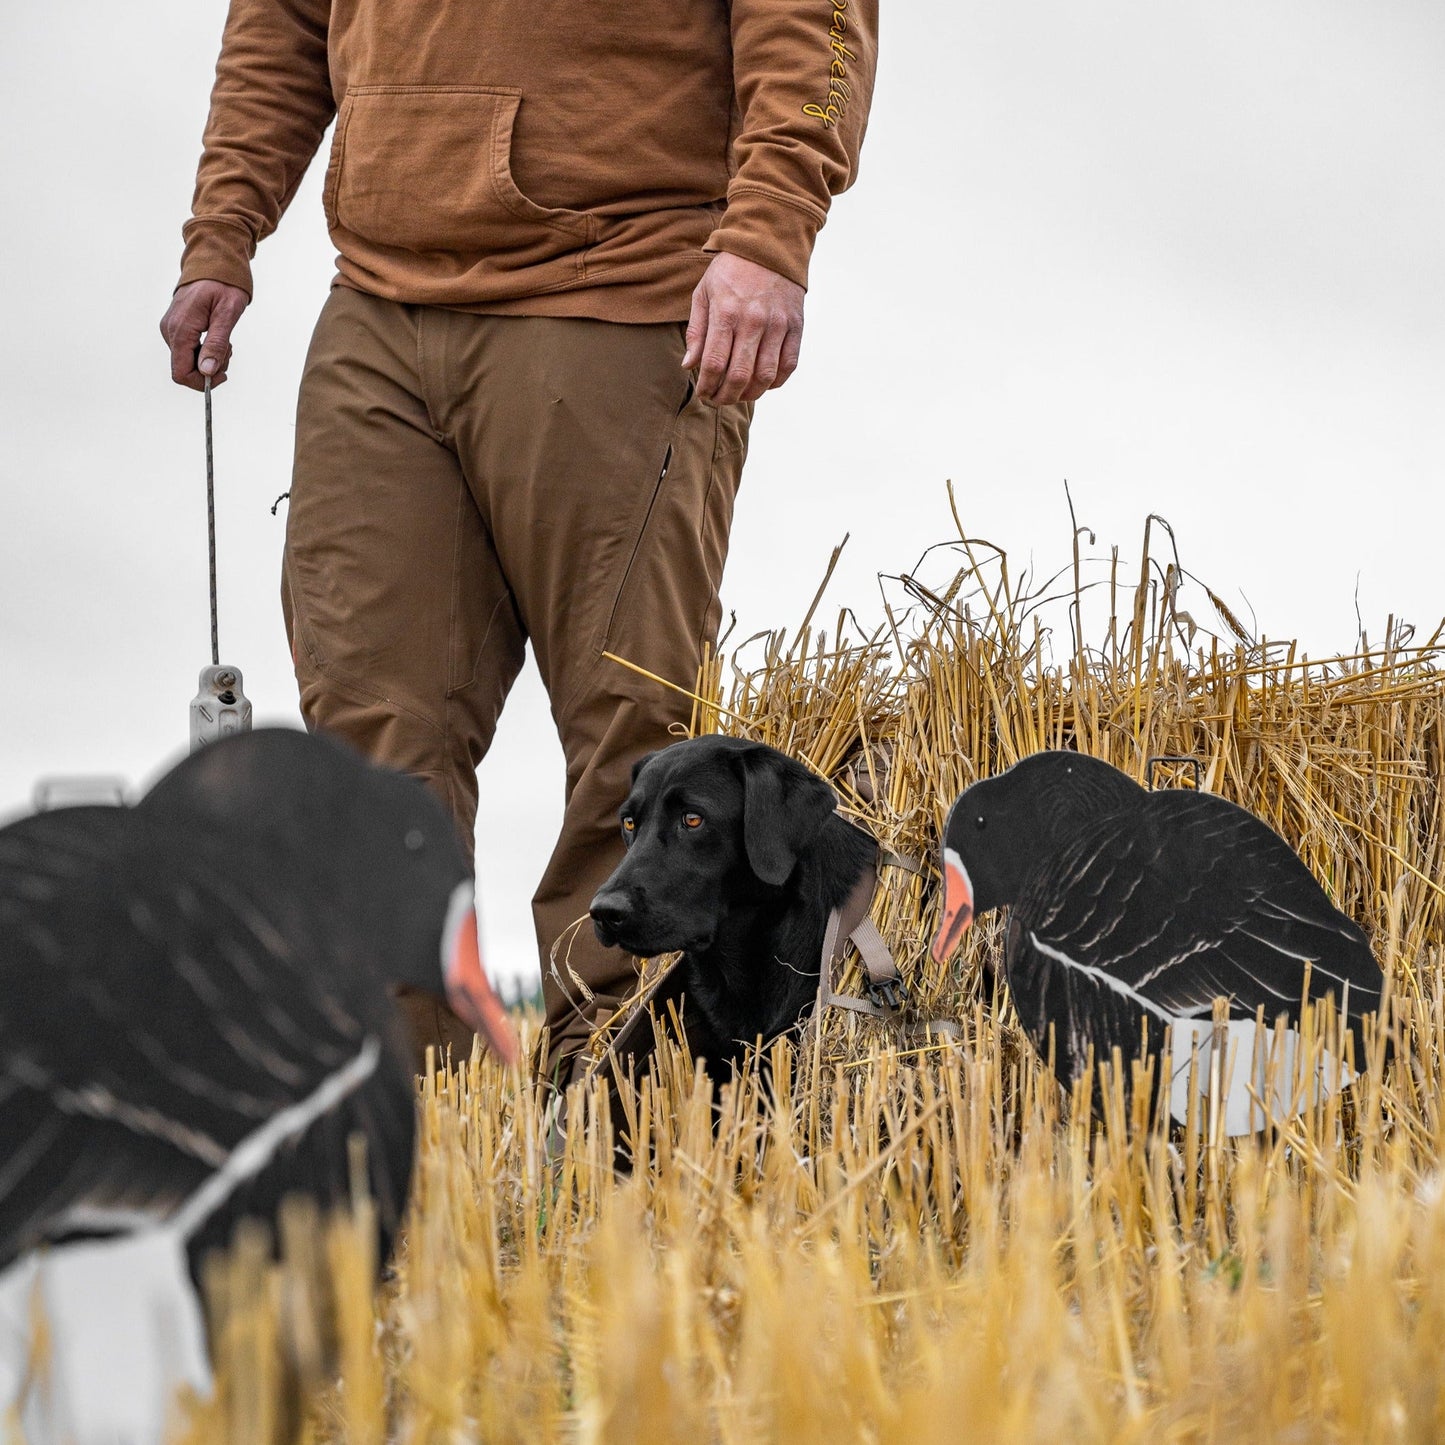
(980, 822)
(629, 826)
(692, 820)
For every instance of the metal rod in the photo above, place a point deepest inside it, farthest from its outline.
(211, 528)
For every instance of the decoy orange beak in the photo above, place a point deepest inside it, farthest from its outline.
(957, 906)
(471, 996)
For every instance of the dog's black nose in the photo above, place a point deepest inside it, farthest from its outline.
(610, 911)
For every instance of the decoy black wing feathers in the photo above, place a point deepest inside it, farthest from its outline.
(149, 1000)
(1193, 899)
(42, 854)
(1074, 1008)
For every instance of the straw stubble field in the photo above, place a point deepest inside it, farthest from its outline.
(906, 1234)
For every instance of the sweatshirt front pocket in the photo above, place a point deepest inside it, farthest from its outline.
(428, 168)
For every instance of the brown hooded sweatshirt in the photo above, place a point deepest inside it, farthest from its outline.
(533, 157)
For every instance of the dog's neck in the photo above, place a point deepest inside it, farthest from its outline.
(763, 964)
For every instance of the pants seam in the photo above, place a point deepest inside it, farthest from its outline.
(345, 683)
(423, 386)
(471, 678)
(715, 589)
(462, 494)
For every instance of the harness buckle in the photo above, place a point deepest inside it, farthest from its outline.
(888, 993)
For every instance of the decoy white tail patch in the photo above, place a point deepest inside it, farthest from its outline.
(123, 1334)
(122, 1326)
(1250, 1074)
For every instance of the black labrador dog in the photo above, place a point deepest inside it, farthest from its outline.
(736, 857)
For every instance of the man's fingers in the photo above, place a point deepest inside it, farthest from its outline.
(788, 356)
(696, 325)
(745, 330)
(717, 347)
(197, 329)
(738, 378)
(767, 362)
(182, 327)
(216, 349)
(212, 361)
(183, 346)
(211, 358)
(217, 376)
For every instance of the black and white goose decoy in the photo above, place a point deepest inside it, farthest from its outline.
(195, 1019)
(1131, 911)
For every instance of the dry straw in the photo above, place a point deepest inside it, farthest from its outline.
(903, 1237)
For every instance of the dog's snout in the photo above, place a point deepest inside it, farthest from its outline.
(610, 911)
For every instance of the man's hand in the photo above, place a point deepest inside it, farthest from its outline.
(202, 307)
(745, 330)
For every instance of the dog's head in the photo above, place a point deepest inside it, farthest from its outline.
(711, 825)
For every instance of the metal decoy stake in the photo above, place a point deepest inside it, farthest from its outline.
(220, 707)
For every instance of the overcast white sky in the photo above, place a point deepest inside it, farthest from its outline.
(1187, 256)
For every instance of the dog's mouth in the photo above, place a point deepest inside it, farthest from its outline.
(642, 941)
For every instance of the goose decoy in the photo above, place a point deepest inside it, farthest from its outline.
(1131, 912)
(195, 1020)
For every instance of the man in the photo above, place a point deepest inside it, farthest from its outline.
(573, 247)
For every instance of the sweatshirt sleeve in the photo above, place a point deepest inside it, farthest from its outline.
(803, 74)
(270, 106)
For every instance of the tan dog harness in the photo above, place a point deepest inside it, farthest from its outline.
(851, 924)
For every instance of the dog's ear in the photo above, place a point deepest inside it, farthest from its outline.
(641, 763)
(784, 806)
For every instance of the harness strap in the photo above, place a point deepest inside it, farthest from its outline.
(849, 917)
(850, 923)
(887, 858)
(876, 956)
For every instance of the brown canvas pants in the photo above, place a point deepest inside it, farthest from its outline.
(464, 483)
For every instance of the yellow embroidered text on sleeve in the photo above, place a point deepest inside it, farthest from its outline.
(830, 112)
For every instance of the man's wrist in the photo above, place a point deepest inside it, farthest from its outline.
(217, 250)
(761, 227)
